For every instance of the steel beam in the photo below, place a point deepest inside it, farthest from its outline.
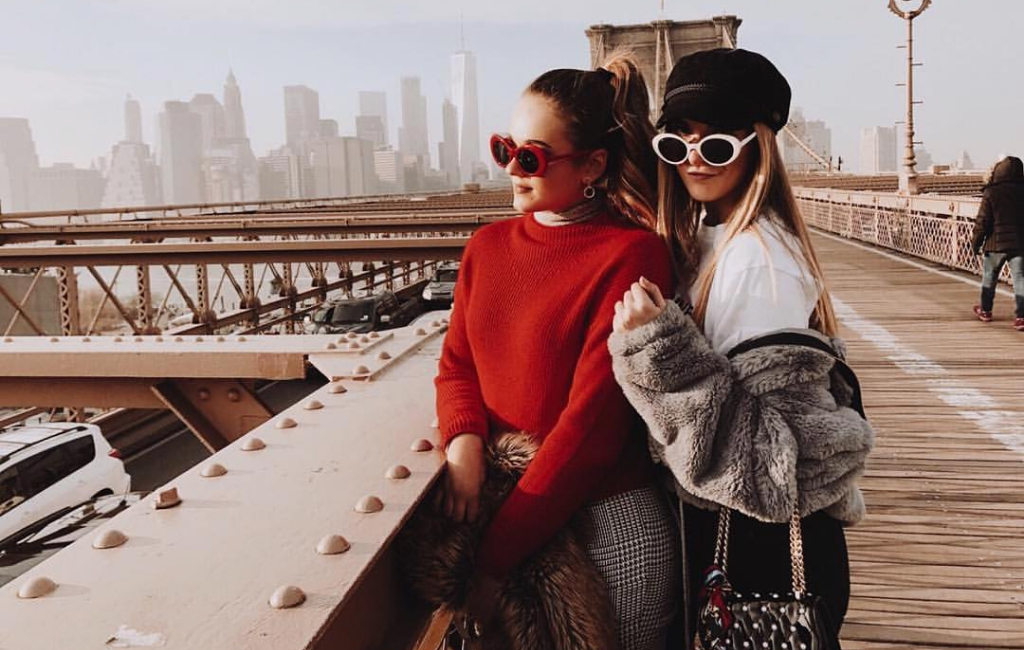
(217, 412)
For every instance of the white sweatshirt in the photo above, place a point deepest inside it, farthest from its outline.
(757, 288)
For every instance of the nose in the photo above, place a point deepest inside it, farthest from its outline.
(513, 168)
(693, 157)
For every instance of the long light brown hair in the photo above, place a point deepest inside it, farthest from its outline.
(768, 192)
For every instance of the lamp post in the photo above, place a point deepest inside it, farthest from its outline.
(908, 177)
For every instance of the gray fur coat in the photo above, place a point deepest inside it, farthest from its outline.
(767, 432)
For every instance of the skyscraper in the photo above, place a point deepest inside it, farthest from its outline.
(448, 149)
(132, 179)
(211, 113)
(181, 153)
(234, 117)
(464, 96)
(412, 136)
(343, 166)
(371, 127)
(132, 120)
(18, 161)
(375, 103)
(877, 150)
(301, 116)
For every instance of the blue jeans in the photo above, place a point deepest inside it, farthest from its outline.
(993, 265)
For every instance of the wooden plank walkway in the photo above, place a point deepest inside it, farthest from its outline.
(939, 561)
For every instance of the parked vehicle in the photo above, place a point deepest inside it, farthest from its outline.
(440, 291)
(29, 546)
(45, 468)
(380, 311)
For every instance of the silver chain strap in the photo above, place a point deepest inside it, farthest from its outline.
(796, 548)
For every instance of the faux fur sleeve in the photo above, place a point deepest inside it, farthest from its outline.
(761, 434)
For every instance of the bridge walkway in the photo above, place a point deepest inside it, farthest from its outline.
(939, 561)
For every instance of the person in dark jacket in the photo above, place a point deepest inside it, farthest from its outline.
(999, 233)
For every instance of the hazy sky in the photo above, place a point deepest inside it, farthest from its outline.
(68, 64)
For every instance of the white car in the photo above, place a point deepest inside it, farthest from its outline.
(47, 467)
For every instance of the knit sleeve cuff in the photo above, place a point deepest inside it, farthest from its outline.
(460, 424)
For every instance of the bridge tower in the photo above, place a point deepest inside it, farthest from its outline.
(658, 44)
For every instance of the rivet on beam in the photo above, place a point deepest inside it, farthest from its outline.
(398, 472)
(8, 339)
(369, 504)
(234, 395)
(420, 332)
(220, 339)
(159, 339)
(118, 339)
(364, 339)
(352, 335)
(199, 339)
(109, 538)
(360, 370)
(384, 355)
(54, 339)
(354, 345)
(166, 499)
(332, 545)
(204, 394)
(435, 323)
(138, 339)
(287, 596)
(331, 346)
(286, 423)
(374, 335)
(422, 445)
(213, 470)
(37, 588)
(86, 339)
(313, 405)
(241, 339)
(253, 444)
(178, 339)
(337, 388)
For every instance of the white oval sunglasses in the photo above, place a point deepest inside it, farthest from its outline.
(716, 149)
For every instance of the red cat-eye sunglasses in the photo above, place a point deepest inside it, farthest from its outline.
(532, 159)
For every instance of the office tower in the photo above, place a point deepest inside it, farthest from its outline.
(132, 120)
(412, 136)
(390, 170)
(301, 116)
(371, 127)
(343, 166)
(18, 161)
(132, 177)
(375, 103)
(448, 149)
(62, 186)
(280, 175)
(212, 117)
(181, 153)
(815, 134)
(464, 97)
(234, 116)
(877, 150)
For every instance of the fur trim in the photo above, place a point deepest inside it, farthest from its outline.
(555, 599)
(767, 432)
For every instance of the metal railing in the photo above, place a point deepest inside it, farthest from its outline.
(935, 228)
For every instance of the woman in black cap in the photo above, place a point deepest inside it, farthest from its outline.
(749, 423)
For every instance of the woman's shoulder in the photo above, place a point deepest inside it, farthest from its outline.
(767, 244)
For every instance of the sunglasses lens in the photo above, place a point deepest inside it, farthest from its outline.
(716, 151)
(528, 160)
(672, 150)
(500, 152)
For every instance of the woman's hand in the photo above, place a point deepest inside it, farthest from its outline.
(639, 306)
(463, 478)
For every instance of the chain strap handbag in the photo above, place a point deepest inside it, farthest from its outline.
(728, 620)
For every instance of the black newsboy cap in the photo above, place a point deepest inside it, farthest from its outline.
(729, 88)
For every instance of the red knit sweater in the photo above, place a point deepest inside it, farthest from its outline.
(526, 350)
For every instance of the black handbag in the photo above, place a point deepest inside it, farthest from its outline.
(728, 620)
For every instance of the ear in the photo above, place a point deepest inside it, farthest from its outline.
(595, 164)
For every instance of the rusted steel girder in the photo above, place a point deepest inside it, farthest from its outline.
(237, 227)
(19, 308)
(67, 292)
(235, 252)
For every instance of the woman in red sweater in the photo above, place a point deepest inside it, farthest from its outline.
(527, 346)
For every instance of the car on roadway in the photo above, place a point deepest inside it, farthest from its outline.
(25, 548)
(440, 291)
(379, 311)
(47, 467)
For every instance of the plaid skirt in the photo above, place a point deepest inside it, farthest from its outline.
(634, 543)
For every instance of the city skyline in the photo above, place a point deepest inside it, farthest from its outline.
(74, 106)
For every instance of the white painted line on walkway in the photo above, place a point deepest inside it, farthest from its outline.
(981, 410)
(975, 282)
